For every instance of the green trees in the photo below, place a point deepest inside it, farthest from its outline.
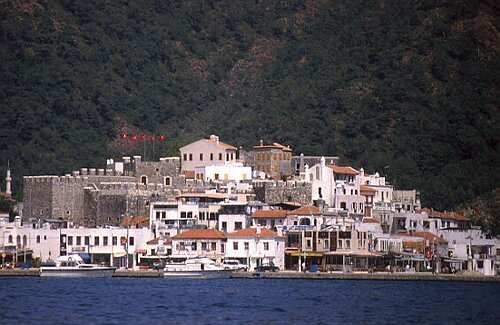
(410, 85)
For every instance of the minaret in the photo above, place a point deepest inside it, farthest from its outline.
(8, 180)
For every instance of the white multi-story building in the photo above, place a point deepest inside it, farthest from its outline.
(224, 173)
(256, 246)
(234, 216)
(210, 243)
(337, 186)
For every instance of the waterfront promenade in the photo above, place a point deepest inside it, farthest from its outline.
(400, 276)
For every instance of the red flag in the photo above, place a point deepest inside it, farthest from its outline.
(152, 138)
(133, 137)
(123, 136)
(161, 138)
(142, 138)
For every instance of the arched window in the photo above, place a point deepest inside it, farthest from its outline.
(10, 239)
(18, 239)
(38, 239)
(305, 222)
(25, 240)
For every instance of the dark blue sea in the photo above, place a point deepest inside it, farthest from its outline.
(32, 300)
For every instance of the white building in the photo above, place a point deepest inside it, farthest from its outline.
(224, 173)
(207, 152)
(337, 186)
(256, 246)
(234, 216)
(210, 243)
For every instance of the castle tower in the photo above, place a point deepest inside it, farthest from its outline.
(8, 180)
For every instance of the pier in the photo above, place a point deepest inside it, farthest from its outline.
(380, 276)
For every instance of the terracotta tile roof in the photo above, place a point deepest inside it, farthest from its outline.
(201, 234)
(427, 236)
(367, 189)
(134, 221)
(445, 215)
(222, 144)
(370, 220)
(269, 214)
(252, 232)
(275, 145)
(343, 170)
(202, 195)
(306, 210)
(190, 174)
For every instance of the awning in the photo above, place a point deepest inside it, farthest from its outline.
(140, 251)
(306, 254)
(119, 254)
(84, 256)
(352, 253)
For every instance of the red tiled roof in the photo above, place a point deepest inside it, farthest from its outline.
(190, 174)
(222, 144)
(367, 189)
(343, 170)
(369, 220)
(201, 195)
(275, 145)
(201, 234)
(269, 214)
(445, 215)
(306, 210)
(252, 232)
(133, 221)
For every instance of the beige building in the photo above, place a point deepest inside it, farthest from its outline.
(273, 159)
(206, 152)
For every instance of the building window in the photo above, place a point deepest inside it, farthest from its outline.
(211, 156)
(227, 157)
(266, 246)
(326, 243)
(340, 244)
(247, 245)
(78, 241)
(87, 240)
(235, 245)
(96, 241)
(194, 246)
(168, 181)
(201, 157)
(185, 157)
(10, 239)
(238, 225)
(216, 176)
(70, 240)
(18, 239)
(343, 205)
(190, 157)
(213, 246)
(347, 243)
(224, 225)
(144, 179)
(204, 246)
(131, 241)
(220, 156)
(38, 239)
(115, 240)
(105, 241)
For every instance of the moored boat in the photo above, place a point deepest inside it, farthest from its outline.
(74, 266)
(196, 268)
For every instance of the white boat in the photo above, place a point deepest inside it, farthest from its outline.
(196, 268)
(74, 266)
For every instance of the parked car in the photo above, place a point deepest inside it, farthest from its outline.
(264, 268)
(234, 265)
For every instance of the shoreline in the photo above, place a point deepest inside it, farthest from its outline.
(294, 275)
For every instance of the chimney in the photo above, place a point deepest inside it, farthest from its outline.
(214, 138)
(126, 160)
(261, 142)
(8, 180)
(257, 230)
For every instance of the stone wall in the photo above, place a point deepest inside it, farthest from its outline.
(272, 193)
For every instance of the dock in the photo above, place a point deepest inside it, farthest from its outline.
(294, 275)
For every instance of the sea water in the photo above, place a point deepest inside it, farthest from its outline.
(32, 300)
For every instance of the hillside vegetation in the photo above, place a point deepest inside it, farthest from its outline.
(406, 88)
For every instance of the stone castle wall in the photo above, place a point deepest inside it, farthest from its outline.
(273, 193)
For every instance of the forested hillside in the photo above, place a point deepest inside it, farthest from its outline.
(406, 88)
